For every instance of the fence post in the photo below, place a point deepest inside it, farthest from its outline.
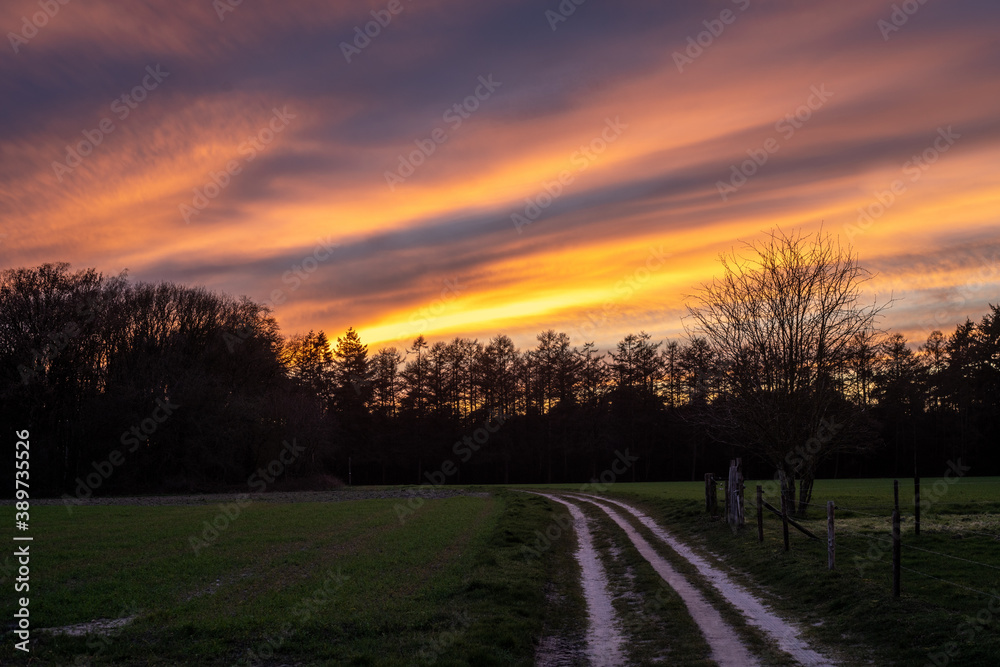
(708, 495)
(916, 505)
(895, 494)
(760, 513)
(784, 519)
(831, 544)
(711, 499)
(895, 553)
(725, 493)
(737, 491)
(715, 496)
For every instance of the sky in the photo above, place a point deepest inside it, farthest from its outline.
(449, 168)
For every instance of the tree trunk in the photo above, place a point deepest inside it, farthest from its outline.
(805, 493)
(787, 488)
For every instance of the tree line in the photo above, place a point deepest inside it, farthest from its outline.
(132, 387)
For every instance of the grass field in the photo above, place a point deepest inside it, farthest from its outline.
(323, 583)
(349, 583)
(936, 621)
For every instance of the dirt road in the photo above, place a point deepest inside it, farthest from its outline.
(606, 636)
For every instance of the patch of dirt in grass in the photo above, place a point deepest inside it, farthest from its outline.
(100, 626)
(210, 590)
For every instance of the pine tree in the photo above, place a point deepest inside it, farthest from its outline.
(352, 373)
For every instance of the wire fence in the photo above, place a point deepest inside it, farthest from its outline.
(886, 515)
(951, 583)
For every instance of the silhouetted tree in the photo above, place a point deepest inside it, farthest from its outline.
(351, 373)
(386, 380)
(310, 362)
(783, 320)
(782, 359)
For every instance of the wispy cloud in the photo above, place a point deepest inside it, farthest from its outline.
(324, 175)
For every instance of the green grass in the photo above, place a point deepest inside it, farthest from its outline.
(318, 583)
(851, 608)
(347, 583)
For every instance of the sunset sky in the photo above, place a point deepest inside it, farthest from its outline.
(273, 149)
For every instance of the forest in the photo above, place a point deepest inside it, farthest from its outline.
(138, 388)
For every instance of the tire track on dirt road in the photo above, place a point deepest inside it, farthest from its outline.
(756, 613)
(605, 643)
(727, 648)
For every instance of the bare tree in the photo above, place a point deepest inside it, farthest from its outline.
(783, 321)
